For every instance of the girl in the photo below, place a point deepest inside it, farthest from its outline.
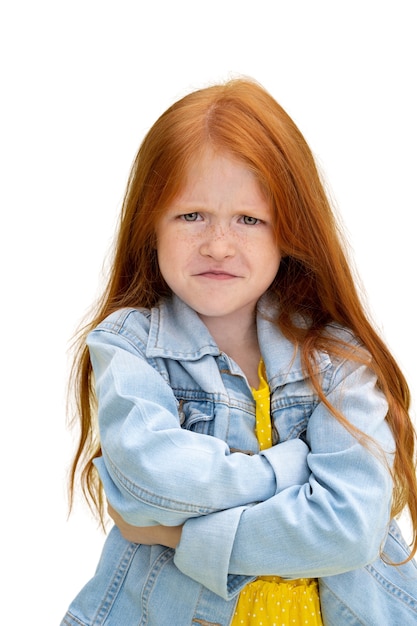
(253, 440)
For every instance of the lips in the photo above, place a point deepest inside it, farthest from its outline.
(216, 275)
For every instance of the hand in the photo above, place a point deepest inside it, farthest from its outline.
(169, 536)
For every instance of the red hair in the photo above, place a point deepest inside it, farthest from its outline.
(314, 280)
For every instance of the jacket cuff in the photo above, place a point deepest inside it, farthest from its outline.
(205, 549)
(289, 462)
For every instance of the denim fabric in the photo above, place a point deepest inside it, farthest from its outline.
(172, 408)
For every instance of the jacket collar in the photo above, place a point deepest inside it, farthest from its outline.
(282, 358)
(177, 332)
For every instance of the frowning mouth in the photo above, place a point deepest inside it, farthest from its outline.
(216, 275)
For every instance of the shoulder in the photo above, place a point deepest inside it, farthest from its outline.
(341, 334)
(342, 345)
(350, 363)
(125, 319)
(127, 325)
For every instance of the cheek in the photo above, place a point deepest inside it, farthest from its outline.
(269, 261)
(263, 250)
(167, 244)
(164, 254)
(173, 251)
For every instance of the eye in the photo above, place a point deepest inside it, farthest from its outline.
(190, 217)
(250, 221)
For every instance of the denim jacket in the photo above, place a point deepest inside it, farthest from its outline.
(176, 419)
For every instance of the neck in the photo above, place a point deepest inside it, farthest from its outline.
(230, 332)
(239, 341)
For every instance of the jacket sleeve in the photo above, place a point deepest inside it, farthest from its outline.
(155, 472)
(336, 521)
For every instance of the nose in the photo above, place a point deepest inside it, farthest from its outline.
(218, 243)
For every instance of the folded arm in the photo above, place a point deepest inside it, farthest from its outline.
(336, 521)
(155, 472)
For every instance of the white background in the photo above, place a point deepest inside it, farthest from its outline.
(81, 82)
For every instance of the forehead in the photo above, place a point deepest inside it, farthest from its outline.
(212, 173)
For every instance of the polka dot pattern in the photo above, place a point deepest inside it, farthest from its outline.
(270, 601)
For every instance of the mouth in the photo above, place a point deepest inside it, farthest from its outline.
(216, 275)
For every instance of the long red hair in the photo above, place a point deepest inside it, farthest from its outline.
(314, 280)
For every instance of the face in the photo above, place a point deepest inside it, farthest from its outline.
(215, 243)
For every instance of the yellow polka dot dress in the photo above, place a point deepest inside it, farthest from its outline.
(271, 600)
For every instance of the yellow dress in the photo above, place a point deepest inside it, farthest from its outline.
(271, 600)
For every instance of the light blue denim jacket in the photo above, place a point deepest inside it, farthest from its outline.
(176, 420)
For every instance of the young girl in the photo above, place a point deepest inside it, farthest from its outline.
(253, 440)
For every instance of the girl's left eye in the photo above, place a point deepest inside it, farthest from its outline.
(250, 221)
(190, 217)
